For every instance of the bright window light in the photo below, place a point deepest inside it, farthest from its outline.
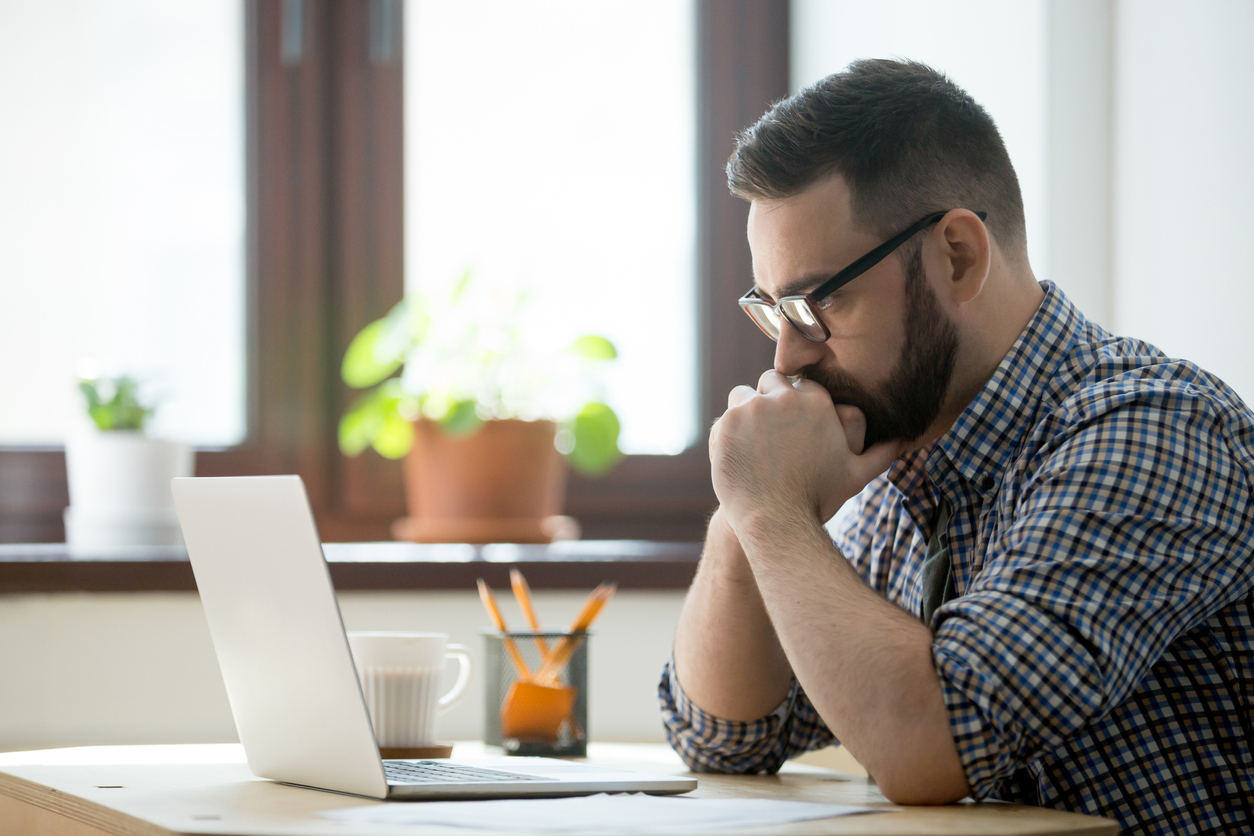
(122, 211)
(551, 144)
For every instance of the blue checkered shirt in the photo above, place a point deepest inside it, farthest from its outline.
(1099, 656)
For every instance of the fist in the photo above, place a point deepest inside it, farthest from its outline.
(786, 447)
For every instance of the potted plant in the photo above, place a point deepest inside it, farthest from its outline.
(483, 412)
(119, 479)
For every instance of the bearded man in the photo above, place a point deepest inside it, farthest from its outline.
(1040, 590)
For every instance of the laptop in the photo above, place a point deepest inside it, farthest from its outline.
(289, 675)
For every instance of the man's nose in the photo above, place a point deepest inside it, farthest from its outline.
(793, 352)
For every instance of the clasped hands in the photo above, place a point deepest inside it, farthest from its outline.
(785, 450)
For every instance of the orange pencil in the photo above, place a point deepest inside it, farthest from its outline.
(566, 648)
(494, 613)
(592, 607)
(523, 593)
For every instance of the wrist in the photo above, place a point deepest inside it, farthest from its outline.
(724, 549)
(773, 525)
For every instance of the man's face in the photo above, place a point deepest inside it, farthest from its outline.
(893, 349)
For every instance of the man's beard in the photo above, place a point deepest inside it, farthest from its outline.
(909, 402)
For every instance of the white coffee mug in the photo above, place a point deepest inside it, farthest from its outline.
(400, 679)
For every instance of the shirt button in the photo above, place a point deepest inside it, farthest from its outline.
(987, 482)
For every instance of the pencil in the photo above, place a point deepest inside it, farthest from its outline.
(523, 593)
(592, 607)
(494, 613)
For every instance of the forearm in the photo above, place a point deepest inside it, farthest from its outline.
(865, 663)
(727, 657)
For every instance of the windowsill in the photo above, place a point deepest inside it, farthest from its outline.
(578, 564)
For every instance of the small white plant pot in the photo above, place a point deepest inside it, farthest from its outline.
(120, 496)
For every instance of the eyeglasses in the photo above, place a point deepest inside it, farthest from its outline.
(803, 312)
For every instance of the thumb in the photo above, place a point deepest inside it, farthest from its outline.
(854, 424)
(876, 460)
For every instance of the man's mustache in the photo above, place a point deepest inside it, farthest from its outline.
(842, 391)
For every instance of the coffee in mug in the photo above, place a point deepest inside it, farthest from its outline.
(400, 679)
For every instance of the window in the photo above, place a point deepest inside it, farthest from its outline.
(325, 254)
(552, 145)
(122, 212)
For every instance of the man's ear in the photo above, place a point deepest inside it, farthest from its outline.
(965, 254)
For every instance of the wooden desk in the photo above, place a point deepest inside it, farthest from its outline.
(207, 789)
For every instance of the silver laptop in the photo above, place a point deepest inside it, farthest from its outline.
(288, 671)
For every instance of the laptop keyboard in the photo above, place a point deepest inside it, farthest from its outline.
(435, 772)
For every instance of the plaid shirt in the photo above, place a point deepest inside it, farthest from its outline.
(1100, 655)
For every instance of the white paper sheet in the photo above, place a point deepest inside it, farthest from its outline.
(629, 813)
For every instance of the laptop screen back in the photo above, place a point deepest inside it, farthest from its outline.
(276, 628)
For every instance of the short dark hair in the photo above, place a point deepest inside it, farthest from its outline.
(906, 140)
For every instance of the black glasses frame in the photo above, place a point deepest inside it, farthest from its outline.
(766, 315)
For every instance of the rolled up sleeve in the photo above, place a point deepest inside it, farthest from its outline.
(712, 744)
(1127, 535)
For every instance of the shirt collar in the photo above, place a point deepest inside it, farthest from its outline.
(918, 495)
(984, 440)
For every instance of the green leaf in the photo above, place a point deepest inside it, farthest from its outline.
(594, 348)
(596, 430)
(102, 416)
(88, 388)
(118, 407)
(369, 358)
(368, 417)
(394, 437)
(359, 425)
(461, 419)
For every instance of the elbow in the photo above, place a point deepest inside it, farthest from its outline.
(920, 765)
(924, 785)
(914, 794)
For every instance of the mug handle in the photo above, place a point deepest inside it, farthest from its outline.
(454, 696)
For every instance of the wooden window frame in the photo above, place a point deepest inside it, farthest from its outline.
(325, 247)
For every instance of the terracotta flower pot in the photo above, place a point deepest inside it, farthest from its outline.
(505, 482)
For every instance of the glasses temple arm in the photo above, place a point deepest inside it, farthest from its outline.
(877, 255)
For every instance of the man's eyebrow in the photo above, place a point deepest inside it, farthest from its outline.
(799, 287)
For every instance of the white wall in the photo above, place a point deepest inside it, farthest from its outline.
(1184, 180)
(1079, 132)
(80, 669)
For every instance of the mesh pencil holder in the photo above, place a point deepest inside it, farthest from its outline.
(546, 715)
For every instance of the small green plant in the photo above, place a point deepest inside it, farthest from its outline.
(113, 402)
(465, 359)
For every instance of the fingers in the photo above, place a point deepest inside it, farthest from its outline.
(740, 395)
(772, 381)
(854, 423)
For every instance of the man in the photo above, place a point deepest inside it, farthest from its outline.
(1041, 591)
